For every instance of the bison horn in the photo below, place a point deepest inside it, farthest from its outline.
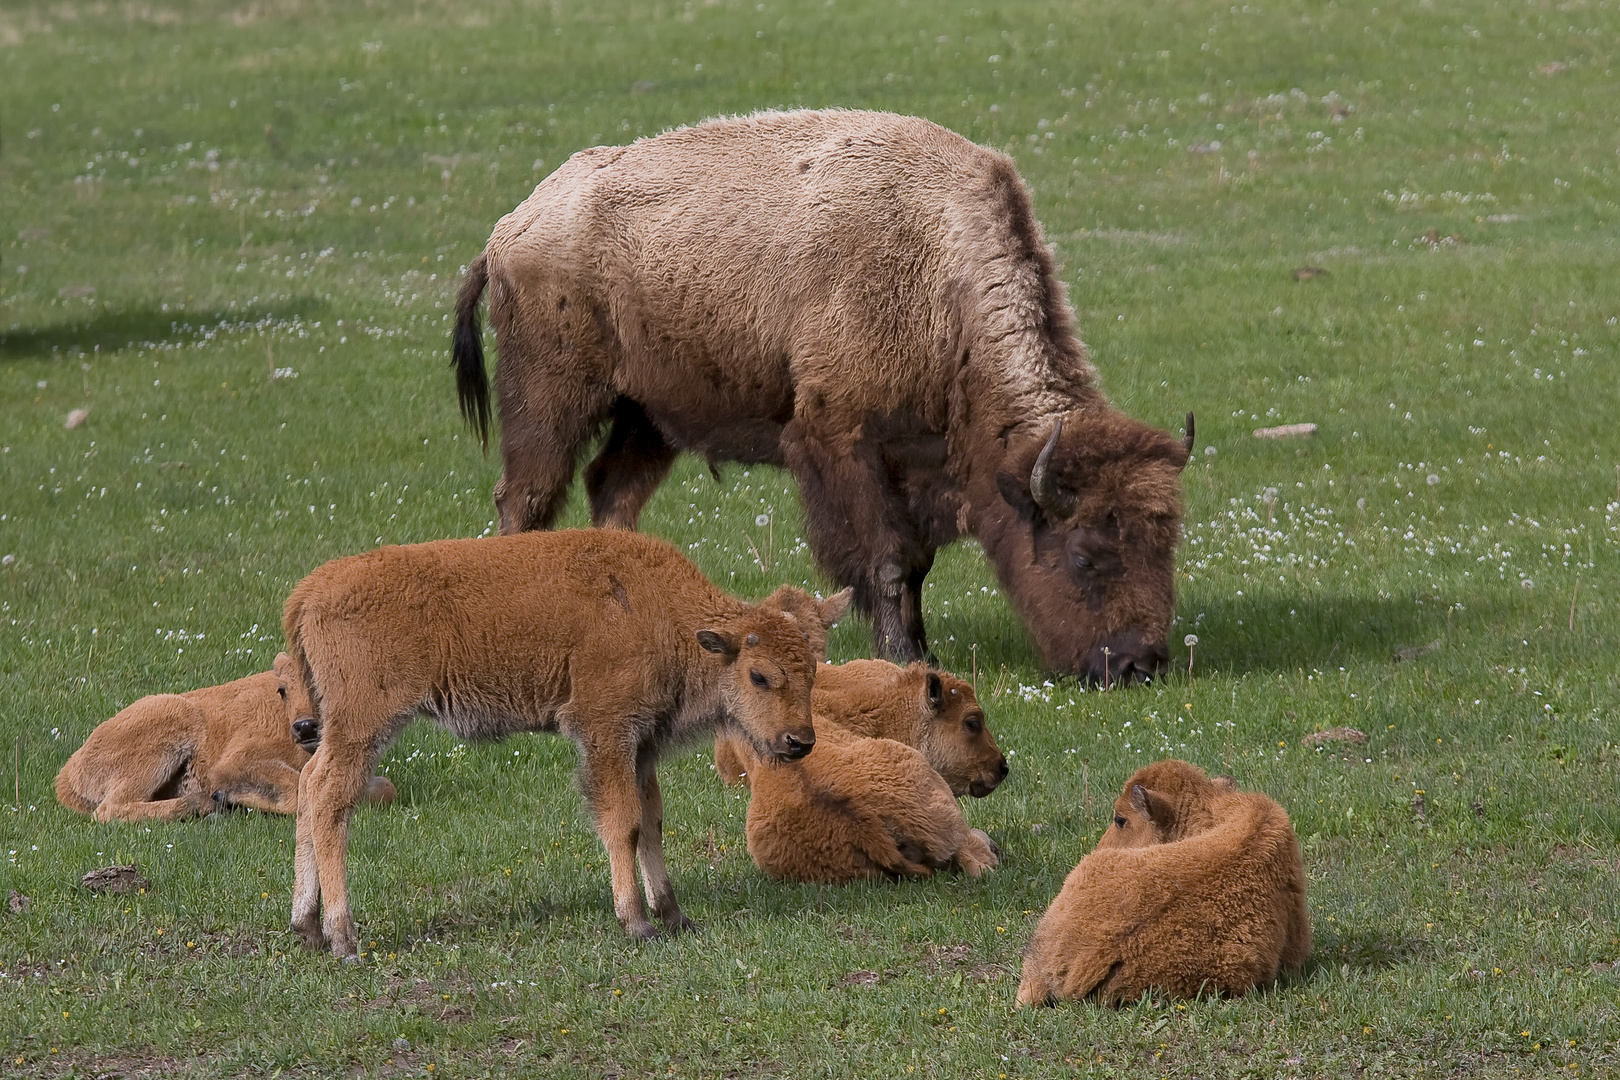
(1043, 487)
(1188, 441)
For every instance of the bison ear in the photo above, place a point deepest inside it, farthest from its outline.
(936, 691)
(1224, 783)
(715, 642)
(1141, 800)
(832, 609)
(1017, 496)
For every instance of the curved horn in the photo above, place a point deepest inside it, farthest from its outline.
(1043, 486)
(1188, 441)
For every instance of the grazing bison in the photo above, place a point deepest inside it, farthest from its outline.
(1197, 888)
(173, 756)
(858, 808)
(608, 637)
(931, 711)
(864, 299)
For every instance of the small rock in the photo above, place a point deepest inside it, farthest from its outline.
(1336, 734)
(18, 903)
(1478, 808)
(75, 418)
(402, 1045)
(1419, 810)
(1306, 273)
(115, 879)
(1412, 652)
(1286, 431)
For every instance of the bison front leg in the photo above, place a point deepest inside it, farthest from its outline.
(650, 853)
(852, 514)
(612, 793)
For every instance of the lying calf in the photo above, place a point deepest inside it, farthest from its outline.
(1196, 888)
(932, 711)
(858, 808)
(609, 637)
(172, 756)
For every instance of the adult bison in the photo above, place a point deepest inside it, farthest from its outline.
(865, 299)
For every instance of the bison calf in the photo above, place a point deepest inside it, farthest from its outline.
(859, 808)
(1196, 887)
(932, 711)
(611, 638)
(172, 756)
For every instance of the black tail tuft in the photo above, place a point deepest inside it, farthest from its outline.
(467, 352)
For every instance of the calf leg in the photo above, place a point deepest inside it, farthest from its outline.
(306, 906)
(628, 469)
(612, 793)
(263, 784)
(650, 852)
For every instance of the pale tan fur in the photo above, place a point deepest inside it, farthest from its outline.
(863, 298)
(859, 808)
(608, 637)
(1195, 888)
(173, 756)
(932, 711)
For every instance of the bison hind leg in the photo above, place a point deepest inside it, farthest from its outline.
(633, 461)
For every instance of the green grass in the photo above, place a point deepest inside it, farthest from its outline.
(296, 184)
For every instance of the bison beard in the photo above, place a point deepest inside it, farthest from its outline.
(865, 299)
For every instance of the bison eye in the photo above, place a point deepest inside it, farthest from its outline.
(973, 724)
(1119, 821)
(758, 680)
(1082, 562)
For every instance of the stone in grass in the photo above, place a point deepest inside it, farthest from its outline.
(1336, 734)
(1412, 652)
(1306, 273)
(75, 418)
(115, 879)
(1285, 431)
(18, 903)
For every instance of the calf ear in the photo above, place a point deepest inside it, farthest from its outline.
(1224, 783)
(715, 642)
(936, 691)
(1018, 497)
(1142, 800)
(832, 609)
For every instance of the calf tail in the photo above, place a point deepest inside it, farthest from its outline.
(467, 352)
(292, 626)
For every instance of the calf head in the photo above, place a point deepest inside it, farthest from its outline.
(1164, 802)
(1084, 537)
(290, 685)
(769, 652)
(955, 739)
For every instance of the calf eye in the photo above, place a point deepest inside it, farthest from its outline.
(973, 725)
(1119, 821)
(758, 680)
(1081, 562)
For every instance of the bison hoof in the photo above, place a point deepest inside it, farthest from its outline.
(310, 936)
(678, 923)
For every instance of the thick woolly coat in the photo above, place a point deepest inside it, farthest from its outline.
(1214, 903)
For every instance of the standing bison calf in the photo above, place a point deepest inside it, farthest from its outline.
(608, 637)
(1197, 887)
(173, 756)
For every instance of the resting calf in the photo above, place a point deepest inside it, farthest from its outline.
(932, 711)
(1197, 887)
(606, 636)
(173, 756)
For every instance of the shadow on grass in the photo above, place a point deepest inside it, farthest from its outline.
(1361, 949)
(114, 328)
(1277, 633)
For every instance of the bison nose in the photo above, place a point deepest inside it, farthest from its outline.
(1126, 660)
(793, 747)
(1003, 768)
(306, 732)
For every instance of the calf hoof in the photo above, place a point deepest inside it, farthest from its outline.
(310, 936)
(678, 923)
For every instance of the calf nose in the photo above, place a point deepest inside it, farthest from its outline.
(794, 747)
(1003, 767)
(306, 732)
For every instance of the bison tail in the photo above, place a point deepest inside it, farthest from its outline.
(292, 626)
(467, 351)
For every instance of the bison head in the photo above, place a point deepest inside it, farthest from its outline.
(1083, 536)
(1165, 802)
(955, 739)
(769, 652)
(303, 724)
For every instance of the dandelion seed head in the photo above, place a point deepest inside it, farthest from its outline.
(762, 520)
(1433, 479)
(1190, 640)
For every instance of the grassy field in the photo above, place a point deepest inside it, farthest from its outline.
(199, 196)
